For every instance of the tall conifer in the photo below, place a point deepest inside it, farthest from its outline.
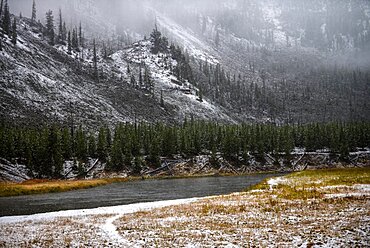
(6, 22)
(33, 16)
(14, 32)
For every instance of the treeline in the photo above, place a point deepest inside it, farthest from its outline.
(132, 146)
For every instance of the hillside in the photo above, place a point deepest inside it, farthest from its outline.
(278, 66)
(255, 61)
(41, 82)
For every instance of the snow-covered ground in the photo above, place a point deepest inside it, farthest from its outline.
(194, 46)
(75, 227)
(338, 217)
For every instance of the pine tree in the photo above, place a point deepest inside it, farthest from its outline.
(140, 77)
(149, 84)
(50, 27)
(95, 62)
(109, 138)
(55, 152)
(64, 32)
(81, 145)
(162, 101)
(138, 165)
(69, 43)
(128, 155)
(1, 8)
(133, 81)
(80, 36)
(92, 146)
(33, 17)
(74, 40)
(66, 144)
(163, 47)
(6, 22)
(200, 95)
(156, 40)
(116, 162)
(14, 32)
(154, 152)
(128, 69)
(60, 31)
(102, 149)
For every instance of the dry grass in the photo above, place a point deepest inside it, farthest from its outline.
(295, 213)
(53, 186)
(306, 185)
(60, 232)
(332, 177)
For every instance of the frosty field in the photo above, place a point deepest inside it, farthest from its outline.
(314, 208)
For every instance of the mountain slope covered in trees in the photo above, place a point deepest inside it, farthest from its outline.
(250, 60)
(62, 77)
(75, 71)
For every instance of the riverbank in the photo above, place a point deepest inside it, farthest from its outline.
(310, 208)
(32, 187)
(199, 166)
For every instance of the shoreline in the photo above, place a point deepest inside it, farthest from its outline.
(46, 186)
(35, 187)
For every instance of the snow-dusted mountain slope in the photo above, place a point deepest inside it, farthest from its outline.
(188, 39)
(39, 81)
(289, 49)
(182, 96)
(257, 60)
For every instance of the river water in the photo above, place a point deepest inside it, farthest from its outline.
(127, 193)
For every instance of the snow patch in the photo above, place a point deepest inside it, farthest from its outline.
(346, 195)
(111, 230)
(191, 43)
(273, 182)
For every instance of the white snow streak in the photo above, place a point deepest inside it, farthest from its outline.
(117, 210)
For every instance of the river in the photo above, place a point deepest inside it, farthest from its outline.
(127, 193)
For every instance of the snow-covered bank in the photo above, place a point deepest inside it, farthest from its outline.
(122, 209)
(74, 228)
